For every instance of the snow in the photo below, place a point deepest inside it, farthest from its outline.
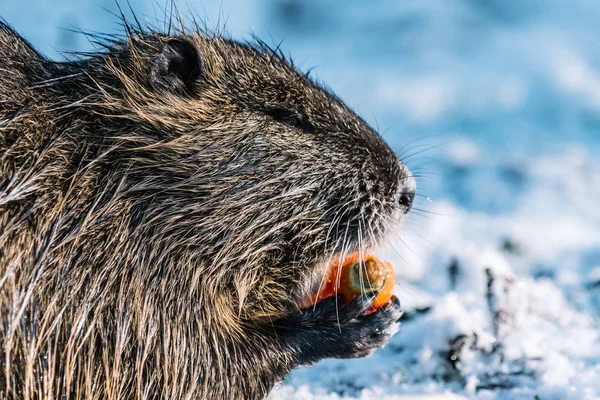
(495, 107)
(520, 319)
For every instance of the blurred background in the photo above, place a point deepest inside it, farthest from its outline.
(495, 106)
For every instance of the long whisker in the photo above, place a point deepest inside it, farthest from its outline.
(430, 212)
(336, 225)
(424, 150)
(395, 233)
(343, 256)
(360, 255)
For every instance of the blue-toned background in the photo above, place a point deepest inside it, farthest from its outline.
(495, 105)
(513, 77)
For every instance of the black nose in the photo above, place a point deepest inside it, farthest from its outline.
(406, 199)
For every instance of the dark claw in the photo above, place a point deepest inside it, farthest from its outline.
(396, 302)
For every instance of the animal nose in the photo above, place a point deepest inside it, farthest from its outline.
(407, 190)
(406, 199)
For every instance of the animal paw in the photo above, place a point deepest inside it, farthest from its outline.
(330, 329)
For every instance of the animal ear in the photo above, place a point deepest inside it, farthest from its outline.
(176, 67)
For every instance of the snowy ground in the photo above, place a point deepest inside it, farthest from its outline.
(498, 306)
(495, 105)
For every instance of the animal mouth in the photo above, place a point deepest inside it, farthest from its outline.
(353, 268)
(351, 275)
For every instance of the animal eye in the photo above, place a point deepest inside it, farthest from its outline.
(290, 118)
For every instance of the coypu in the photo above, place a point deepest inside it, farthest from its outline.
(165, 204)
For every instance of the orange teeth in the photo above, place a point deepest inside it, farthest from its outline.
(353, 277)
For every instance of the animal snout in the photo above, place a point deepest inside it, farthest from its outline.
(406, 200)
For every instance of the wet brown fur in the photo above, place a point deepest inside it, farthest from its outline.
(149, 236)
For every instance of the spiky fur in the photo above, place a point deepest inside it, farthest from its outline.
(149, 239)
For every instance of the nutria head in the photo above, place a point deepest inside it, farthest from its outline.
(185, 183)
(241, 164)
